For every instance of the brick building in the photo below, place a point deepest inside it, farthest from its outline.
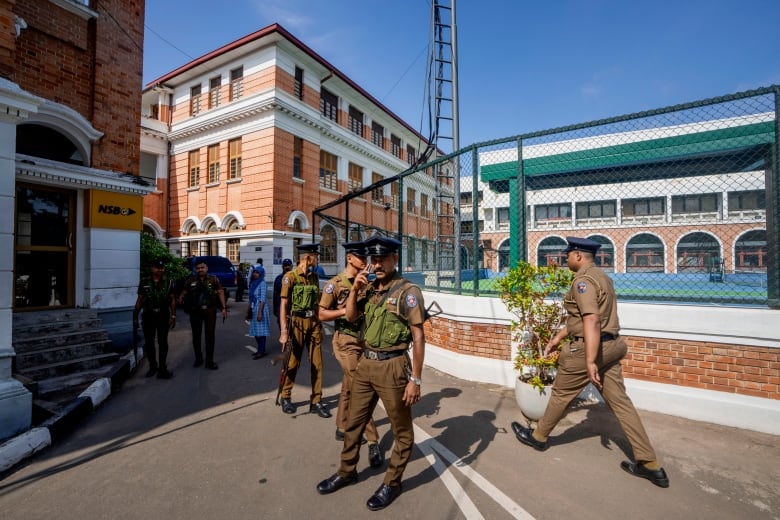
(246, 141)
(70, 198)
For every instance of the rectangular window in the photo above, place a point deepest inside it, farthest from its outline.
(552, 212)
(411, 154)
(233, 250)
(355, 121)
(424, 205)
(596, 209)
(395, 145)
(154, 111)
(236, 83)
(194, 167)
(377, 134)
(297, 157)
(328, 170)
(410, 202)
(298, 85)
(214, 163)
(699, 203)
(503, 217)
(377, 194)
(329, 105)
(747, 200)
(214, 84)
(639, 207)
(394, 195)
(355, 177)
(234, 152)
(195, 100)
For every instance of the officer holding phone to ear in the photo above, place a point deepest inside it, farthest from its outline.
(394, 314)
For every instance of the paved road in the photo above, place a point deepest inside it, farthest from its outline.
(212, 445)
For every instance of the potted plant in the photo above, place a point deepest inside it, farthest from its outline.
(533, 294)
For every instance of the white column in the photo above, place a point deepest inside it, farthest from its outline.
(15, 400)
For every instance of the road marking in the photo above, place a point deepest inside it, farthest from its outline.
(453, 460)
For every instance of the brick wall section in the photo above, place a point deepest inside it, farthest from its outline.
(7, 44)
(92, 66)
(743, 370)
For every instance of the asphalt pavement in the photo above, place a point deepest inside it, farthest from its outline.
(213, 445)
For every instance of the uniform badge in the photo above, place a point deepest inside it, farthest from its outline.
(582, 287)
(411, 301)
(329, 288)
(286, 281)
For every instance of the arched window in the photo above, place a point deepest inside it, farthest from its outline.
(327, 245)
(645, 254)
(750, 251)
(696, 252)
(605, 256)
(550, 251)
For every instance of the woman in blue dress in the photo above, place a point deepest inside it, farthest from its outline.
(260, 324)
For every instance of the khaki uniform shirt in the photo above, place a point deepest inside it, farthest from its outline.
(591, 292)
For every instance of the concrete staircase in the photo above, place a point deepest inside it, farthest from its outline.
(59, 353)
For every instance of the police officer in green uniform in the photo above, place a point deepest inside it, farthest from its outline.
(156, 299)
(393, 313)
(299, 322)
(347, 348)
(203, 294)
(593, 356)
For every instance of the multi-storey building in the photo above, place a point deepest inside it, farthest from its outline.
(246, 141)
(70, 198)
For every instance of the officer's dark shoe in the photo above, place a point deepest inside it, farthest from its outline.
(383, 497)
(287, 406)
(525, 435)
(197, 363)
(656, 476)
(152, 371)
(376, 456)
(339, 435)
(320, 409)
(164, 373)
(211, 366)
(258, 355)
(335, 482)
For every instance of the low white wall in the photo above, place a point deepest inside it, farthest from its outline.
(730, 325)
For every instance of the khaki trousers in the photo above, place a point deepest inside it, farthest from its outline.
(573, 377)
(348, 351)
(305, 332)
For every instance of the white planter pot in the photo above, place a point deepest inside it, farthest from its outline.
(532, 403)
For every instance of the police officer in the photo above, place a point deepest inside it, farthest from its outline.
(300, 323)
(593, 356)
(203, 294)
(156, 298)
(346, 346)
(393, 316)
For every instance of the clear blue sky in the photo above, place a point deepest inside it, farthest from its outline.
(523, 65)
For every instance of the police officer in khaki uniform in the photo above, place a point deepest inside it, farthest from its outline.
(394, 314)
(593, 356)
(204, 295)
(347, 348)
(299, 321)
(157, 300)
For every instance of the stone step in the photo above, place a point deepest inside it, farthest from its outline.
(42, 328)
(26, 360)
(71, 366)
(61, 388)
(39, 318)
(38, 343)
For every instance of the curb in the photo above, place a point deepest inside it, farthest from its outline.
(27, 444)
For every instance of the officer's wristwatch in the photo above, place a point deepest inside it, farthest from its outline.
(415, 380)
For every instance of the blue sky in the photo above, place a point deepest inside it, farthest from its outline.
(523, 65)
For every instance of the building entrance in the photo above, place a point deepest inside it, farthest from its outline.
(43, 247)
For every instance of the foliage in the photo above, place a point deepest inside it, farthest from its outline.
(533, 294)
(152, 249)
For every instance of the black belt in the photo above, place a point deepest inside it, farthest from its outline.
(381, 356)
(604, 337)
(302, 314)
(352, 333)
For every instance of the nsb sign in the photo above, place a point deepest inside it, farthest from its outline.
(114, 210)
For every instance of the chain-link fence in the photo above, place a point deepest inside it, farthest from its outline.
(680, 198)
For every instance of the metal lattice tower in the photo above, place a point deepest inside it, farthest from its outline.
(445, 98)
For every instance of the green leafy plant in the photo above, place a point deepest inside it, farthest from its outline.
(152, 249)
(533, 294)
